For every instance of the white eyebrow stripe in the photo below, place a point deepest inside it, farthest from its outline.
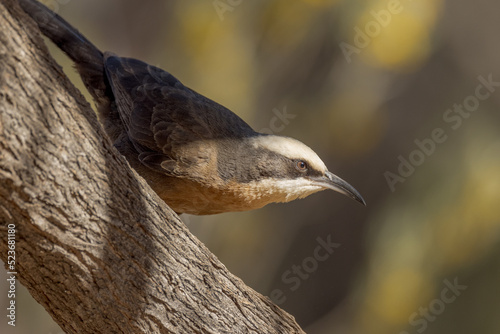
(290, 148)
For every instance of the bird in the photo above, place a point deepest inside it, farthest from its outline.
(197, 155)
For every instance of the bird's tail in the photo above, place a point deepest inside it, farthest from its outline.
(88, 59)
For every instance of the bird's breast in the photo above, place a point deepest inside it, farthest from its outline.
(187, 196)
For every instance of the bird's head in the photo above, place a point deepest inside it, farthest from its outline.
(284, 169)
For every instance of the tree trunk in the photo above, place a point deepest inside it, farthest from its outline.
(94, 244)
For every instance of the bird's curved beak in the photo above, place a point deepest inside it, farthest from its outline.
(332, 181)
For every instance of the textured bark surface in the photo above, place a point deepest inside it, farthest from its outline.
(94, 244)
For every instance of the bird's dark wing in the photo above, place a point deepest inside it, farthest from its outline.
(163, 117)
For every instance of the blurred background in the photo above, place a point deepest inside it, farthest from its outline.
(399, 98)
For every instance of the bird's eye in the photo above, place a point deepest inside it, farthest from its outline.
(301, 166)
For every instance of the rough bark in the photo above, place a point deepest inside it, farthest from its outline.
(94, 244)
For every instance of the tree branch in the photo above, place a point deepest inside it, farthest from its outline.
(94, 244)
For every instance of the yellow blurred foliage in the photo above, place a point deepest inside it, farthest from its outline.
(354, 127)
(321, 3)
(469, 227)
(283, 23)
(219, 53)
(394, 299)
(404, 39)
